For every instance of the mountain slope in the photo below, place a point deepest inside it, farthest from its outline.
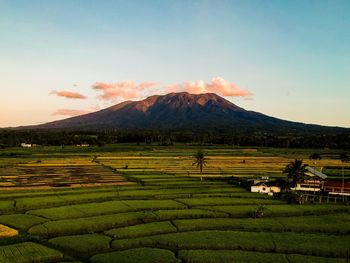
(179, 111)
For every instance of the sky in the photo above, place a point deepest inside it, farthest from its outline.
(287, 59)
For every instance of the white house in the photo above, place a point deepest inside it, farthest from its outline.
(263, 188)
(26, 145)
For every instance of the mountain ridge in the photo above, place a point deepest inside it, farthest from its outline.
(179, 111)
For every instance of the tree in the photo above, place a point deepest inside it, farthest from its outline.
(295, 171)
(200, 161)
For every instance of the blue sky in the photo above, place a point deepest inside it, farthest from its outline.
(293, 56)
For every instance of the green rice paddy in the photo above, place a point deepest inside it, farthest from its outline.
(146, 204)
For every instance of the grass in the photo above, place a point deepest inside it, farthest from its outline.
(21, 221)
(142, 230)
(239, 256)
(30, 203)
(81, 172)
(167, 215)
(28, 252)
(289, 243)
(279, 210)
(109, 207)
(6, 231)
(6, 206)
(145, 255)
(88, 225)
(336, 224)
(187, 213)
(207, 201)
(83, 245)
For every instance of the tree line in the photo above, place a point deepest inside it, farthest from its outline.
(13, 138)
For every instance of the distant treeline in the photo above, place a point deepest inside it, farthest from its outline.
(13, 138)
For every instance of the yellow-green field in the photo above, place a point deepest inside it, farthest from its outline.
(147, 204)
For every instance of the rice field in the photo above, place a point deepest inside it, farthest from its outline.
(57, 175)
(147, 204)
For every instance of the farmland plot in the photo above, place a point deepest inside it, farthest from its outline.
(164, 213)
(32, 176)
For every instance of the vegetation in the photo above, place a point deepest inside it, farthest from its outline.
(6, 231)
(161, 210)
(315, 156)
(330, 138)
(84, 245)
(208, 256)
(295, 171)
(142, 230)
(28, 252)
(286, 242)
(200, 161)
(136, 255)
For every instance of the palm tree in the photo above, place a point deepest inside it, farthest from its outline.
(200, 161)
(296, 171)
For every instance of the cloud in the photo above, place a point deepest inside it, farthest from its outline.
(145, 85)
(72, 113)
(68, 94)
(125, 90)
(217, 85)
(129, 90)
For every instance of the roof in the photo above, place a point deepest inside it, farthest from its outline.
(265, 184)
(260, 184)
(313, 172)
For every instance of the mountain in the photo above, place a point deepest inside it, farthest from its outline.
(181, 111)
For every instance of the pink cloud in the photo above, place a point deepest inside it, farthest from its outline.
(217, 85)
(125, 90)
(129, 90)
(68, 94)
(72, 113)
(145, 85)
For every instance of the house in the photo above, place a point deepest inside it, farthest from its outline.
(313, 184)
(337, 188)
(313, 172)
(26, 145)
(263, 179)
(265, 188)
(83, 145)
(308, 186)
